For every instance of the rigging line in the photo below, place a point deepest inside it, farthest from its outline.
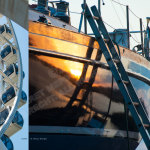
(110, 100)
(117, 14)
(109, 25)
(122, 9)
(134, 34)
(135, 39)
(130, 24)
(129, 9)
(134, 13)
(133, 30)
(125, 16)
(136, 17)
(125, 5)
(118, 3)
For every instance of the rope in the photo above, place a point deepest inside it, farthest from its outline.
(134, 13)
(119, 53)
(111, 95)
(118, 3)
(112, 86)
(109, 25)
(125, 14)
(135, 40)
(125, 6)
(117, 15)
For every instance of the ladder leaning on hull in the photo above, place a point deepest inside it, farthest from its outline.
(81, 82)
(119, 73)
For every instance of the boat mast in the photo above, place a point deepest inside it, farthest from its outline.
(85, 20)
(128, 32)
(147, 40)
(141, 29)
(99, 7)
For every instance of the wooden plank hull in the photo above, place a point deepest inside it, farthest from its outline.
(53, 80)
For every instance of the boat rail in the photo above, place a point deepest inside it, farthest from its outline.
(52, 53)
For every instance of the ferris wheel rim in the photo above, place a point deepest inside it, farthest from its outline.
(14, 108)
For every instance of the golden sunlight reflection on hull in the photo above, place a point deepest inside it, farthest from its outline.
(74, 71)
(70, 67)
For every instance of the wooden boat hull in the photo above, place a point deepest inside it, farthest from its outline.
(53, 80)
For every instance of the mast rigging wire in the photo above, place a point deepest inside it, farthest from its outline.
(125, 6)
(109, 25)
(124, 14)
(118, 3)
(135, 39)
(117, 14)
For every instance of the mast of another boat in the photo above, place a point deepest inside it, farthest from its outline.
(147, 40)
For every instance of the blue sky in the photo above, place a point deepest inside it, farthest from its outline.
(20, 139)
